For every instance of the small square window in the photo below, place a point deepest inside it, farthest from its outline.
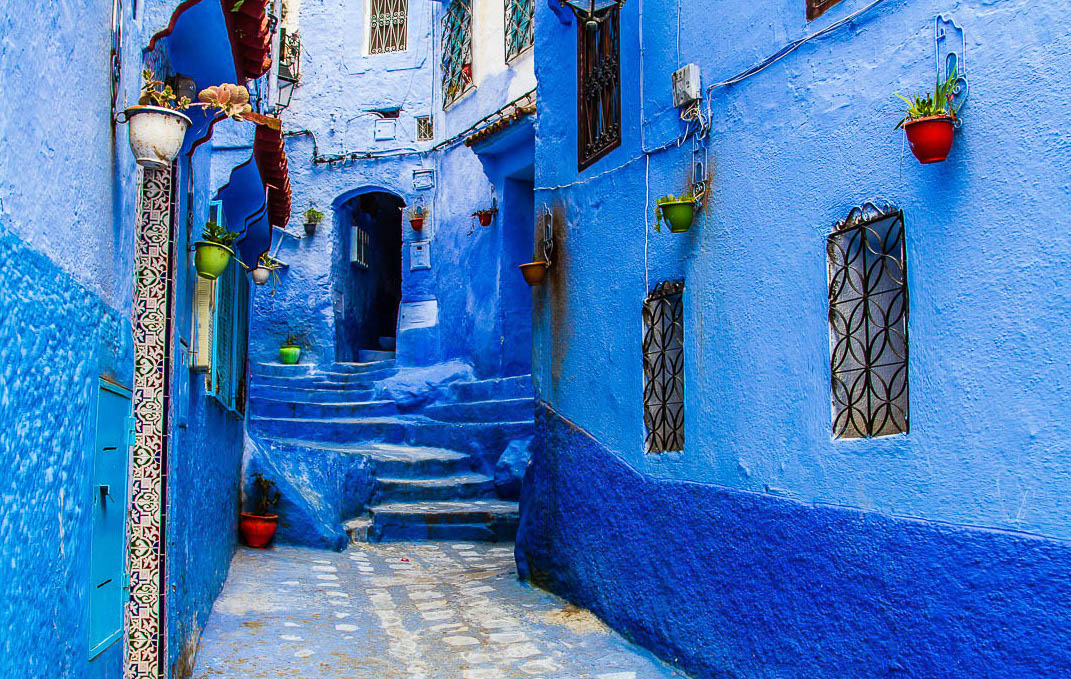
(868, 311)
(663, 367)
(425, 128)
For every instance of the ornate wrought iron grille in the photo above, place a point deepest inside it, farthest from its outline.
(289, 56)
(520, 27)
(663, 367)
(599, 88)
(868, 309)
(457, 51)
(815, 8)
(425, 128)
(387, 22)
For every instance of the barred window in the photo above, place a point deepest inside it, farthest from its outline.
(387, 25)
(598, 88)
(457, 51)
(663, 367)
(289, 56)
(425, 128)
(520, 27)
(226, 375)
(816, 8)
(868, 309)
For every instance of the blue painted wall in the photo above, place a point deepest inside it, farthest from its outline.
(68, 192)
(340, 85)
(792, 150)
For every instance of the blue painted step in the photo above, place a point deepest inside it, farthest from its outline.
(510, 410)
(269, 407)
(438, 488)
(394, 460)
(280, 370)
(374, 355)
(324, 380)
(352, 394)
(486, 390)
(490, 520)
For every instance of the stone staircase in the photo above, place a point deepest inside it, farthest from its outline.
(377, 471)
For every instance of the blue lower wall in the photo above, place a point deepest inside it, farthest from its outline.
(739, 584)
(56, 338)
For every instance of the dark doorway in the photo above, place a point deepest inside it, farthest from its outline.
(369, 284)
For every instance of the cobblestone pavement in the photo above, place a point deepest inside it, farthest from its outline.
(404, 610)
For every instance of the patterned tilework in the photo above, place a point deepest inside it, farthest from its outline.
(144, 635)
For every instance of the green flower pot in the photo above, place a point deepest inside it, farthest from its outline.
(679, 213)
(211, 259)
(289, 355)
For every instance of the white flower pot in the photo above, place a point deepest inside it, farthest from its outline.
(156, 134)
(261, 275)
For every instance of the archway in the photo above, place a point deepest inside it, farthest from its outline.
(368, 281)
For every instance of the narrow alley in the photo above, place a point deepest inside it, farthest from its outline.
(405, 610)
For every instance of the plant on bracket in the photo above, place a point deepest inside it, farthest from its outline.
(930, 121)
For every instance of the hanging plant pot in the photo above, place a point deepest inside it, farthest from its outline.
(485, 217)
(156, 134)
(679, 213)
(211, 259)
(534, 272)
(930, 138)
(289, 355)
(261, 275)
(417, 223)
(257, 531)
(310, 228)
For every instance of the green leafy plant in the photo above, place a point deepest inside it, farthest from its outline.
(265, 494)
(293, 339)
(313, 216)
(485, 211)
(154, 92)
(937, 104)
(667, 199)
(214, 233)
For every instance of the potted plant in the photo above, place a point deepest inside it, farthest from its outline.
(266, 269)
(312, 218)
(930, 122)
(678, 211)
(290, 352)
(213, 252)
(417, 215)
(157, 124)
(486, 216)
(258, 527)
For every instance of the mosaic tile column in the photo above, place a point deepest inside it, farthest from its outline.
(145, 636)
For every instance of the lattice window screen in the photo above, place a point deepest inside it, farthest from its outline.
(230, 339)
(868, 309)
(599, 89)
(663, 367)
(425, 126)
(388, 23)
(520, 26)
(457, 51)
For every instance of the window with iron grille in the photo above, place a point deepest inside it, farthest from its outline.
(457, 50)
(663, 367)
(387, 25)
(520, 27)
(598, 88)
(425, 128)
(868, 309)
(230, 339)
(816, 8)
(289, 56)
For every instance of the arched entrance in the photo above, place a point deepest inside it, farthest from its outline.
(368, 280)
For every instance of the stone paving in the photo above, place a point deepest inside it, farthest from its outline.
(427, 610)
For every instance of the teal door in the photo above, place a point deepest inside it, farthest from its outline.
(107, 566)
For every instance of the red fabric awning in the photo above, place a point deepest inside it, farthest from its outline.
(269, 149)
(247, 24)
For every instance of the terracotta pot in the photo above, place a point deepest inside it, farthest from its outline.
(289, 355)
(211, 259)
(679, 213)
(534, 272)
(930, 138)
(156, 134)
(257, 531)
(485, 217)
(417, 223)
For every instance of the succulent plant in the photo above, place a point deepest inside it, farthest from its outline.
(232, 100)
(155, 92)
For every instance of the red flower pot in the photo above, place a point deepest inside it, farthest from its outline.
(485, 217)
(417, 223)
(257, 531)
(930, 138)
